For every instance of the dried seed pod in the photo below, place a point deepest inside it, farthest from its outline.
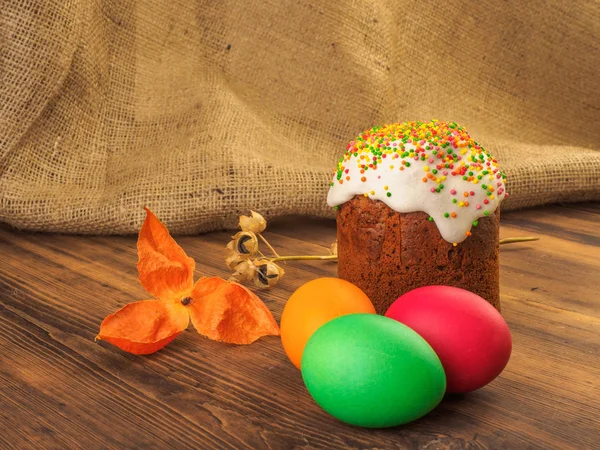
(244, 245)
(233, 259)
(243, 272)
(267, 273)
(254, 223)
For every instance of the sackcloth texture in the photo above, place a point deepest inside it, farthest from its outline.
(202, 110)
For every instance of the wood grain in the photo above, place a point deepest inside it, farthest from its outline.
(59, 389)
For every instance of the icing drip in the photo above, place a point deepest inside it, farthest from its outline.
(434, 167)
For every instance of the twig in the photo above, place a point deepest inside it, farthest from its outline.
(518, 239)
(305, 258)
(262, 238)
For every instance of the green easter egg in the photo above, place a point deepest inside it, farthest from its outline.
(372, 371)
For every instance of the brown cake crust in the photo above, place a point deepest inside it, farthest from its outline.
(387, 253)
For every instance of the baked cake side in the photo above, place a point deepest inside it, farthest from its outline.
(387, 253)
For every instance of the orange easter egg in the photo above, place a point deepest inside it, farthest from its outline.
(312, 305)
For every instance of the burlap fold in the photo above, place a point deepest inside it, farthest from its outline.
(202, 110)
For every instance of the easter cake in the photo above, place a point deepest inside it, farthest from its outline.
(418, 205)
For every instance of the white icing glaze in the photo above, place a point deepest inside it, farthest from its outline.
(409, 193)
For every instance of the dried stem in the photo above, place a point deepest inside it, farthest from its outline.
(256, 223)
(262, 238)
(518, 239)
(334, 257)
(304, 258)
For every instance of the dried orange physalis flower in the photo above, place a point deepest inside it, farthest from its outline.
(220, 310)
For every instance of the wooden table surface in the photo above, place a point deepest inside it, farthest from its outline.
(59, 389)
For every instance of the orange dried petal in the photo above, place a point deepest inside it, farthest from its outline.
(228, 312)
(165, 270)
(144, 327)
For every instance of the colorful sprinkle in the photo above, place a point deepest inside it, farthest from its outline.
(445, 152)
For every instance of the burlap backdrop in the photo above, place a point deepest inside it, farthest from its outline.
(205, 109)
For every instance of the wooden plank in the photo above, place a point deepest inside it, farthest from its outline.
(60, 389)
